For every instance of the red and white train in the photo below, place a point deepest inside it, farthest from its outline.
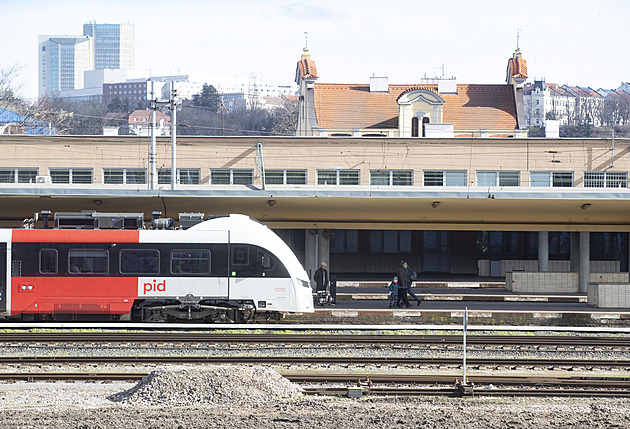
(99, 266)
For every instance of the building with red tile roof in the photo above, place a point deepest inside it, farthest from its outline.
(517, 68)
(140, 123)
(570, 105)
(432, 108)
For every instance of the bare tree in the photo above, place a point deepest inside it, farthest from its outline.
(285, 119)
(9, 87)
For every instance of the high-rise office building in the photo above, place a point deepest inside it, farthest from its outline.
(62, 62)
(113, 45)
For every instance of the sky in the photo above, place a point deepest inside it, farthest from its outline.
(577, 42)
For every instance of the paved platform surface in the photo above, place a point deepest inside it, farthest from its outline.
(368, 301)
(456, 294)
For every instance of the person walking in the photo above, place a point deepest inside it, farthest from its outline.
(393, 292)
(403, 284)
(412, 276)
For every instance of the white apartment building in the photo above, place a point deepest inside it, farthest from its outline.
(62, 62)
(568, 104)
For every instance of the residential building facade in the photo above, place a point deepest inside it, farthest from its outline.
(140, 123)
(570, 105)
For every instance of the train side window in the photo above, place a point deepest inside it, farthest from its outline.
(88, 261)
(265, 261)
(190, 261)
(240, 255)
(48, 261)
(139, 261)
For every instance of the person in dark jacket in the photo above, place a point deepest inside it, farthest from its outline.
(322, 281)
(403, 284)
(412, 276)
(393, 292)
(321, 277)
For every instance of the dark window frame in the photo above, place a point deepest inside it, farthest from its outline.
(120, 262)
(81, 272)
(56, 263)
(186, 273)
(236, 249)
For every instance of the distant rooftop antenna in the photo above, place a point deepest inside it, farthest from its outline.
(440, 69)
(518, 35)
(306, 40)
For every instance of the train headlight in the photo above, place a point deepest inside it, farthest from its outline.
(23, 287)
(305, 284)
(30, 287)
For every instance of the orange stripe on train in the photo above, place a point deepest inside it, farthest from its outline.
(75, 236)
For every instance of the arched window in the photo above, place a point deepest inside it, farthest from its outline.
(414, 127)
(425, 121)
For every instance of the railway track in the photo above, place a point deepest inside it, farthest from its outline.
(377, 361)
(250, 338)
(397, 384)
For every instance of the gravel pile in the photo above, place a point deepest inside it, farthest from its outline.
(209, 385)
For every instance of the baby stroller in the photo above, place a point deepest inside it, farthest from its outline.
(323, 297)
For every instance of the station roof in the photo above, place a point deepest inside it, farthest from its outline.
(347, 207)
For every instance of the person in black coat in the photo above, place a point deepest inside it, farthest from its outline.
(403, 284)
(321, 277)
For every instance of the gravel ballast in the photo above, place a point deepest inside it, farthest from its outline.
(319, 412)
(241, 396)
(209, 385)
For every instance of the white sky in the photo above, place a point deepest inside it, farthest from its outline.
(577, 42)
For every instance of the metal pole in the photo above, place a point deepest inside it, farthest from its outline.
(612, 149)
(173, 137)
(261, 163)
(152, 155)
(465, 381)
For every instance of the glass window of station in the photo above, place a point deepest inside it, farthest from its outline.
(338, 177)
(556, 179)
(76, 176)
(285, 177)
(444, 177)
(236, 176)
(391, 177)
(18, 175)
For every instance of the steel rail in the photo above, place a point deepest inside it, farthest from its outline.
(526, 386)
(326, 360)
(248, 338)
(446, 391)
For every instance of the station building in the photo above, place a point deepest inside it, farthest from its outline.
(513, 208)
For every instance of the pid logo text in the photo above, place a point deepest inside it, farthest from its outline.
(155, 287)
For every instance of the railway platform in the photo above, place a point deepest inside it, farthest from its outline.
(490, 304)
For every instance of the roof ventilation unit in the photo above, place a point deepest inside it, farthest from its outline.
(159, 222)
(187, 220)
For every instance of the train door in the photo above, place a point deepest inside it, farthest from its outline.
(3, 277)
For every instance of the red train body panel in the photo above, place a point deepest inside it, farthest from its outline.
(73, 295)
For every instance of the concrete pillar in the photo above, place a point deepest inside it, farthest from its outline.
(324, 249)
(311, 253)
(585, 260)
(316, 250)
(543, 251)
(575, 252)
